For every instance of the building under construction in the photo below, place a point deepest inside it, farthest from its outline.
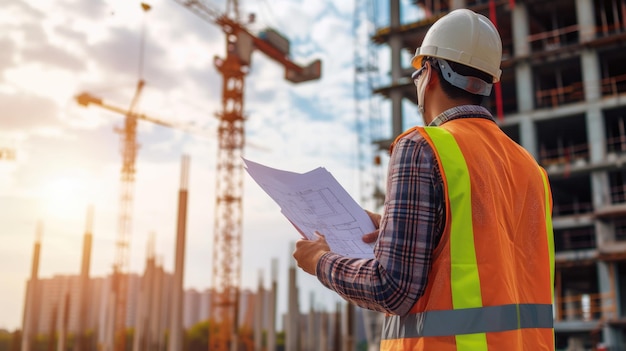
(562, 96)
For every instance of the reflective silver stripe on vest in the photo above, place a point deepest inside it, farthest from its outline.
(468, 321)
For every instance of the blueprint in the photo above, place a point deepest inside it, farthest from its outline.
(315, 201)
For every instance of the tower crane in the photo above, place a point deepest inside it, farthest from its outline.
(128, 136)
(240, 43)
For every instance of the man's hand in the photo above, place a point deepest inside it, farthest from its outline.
(370, 237)
(375, 217)
(308, 252)
(373, 236)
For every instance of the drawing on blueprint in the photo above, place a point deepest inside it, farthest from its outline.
(315, 201)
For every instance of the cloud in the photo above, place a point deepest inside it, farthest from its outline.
(25, 112)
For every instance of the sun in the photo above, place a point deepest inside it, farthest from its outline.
(67, 195)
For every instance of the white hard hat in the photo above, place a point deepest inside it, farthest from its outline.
(466, 37)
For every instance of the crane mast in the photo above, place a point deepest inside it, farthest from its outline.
(229, 189)
(128, 136)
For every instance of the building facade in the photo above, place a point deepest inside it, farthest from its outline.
(562, 96)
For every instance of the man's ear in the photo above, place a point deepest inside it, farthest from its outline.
(431, 75)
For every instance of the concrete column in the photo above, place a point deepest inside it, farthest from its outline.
(80, 343)
(591, 74)
(31, 312)
(521, 47)
(176, 337)
(596, 138)
(395, 41)
(595, 134)
(310, 332)
(107, 335)
(145, 309)
(153, 332)
(524, 87)
(292, 329)
(585, 16)
(607, 279)
(606, 284)
(457, 4)
(348, 335)
(64, 318)
(324, 331)
(528, 137)
(600, 189)
(523, 78)
(397, 118)
(337, 332)
(271, 330)
(395, 45)
(258, 314)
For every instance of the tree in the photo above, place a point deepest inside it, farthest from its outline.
(5, 340)
(197, 337)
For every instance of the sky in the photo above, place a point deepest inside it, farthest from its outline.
(67, 157)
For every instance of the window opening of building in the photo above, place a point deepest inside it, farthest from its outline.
(610, 15)
(571, 196)
(571, 239)
(562, 146)
(613, 71)
(620, 229)
(578, 298)
(617, 186)
(553, 24)
(559, 83)
(615, 131)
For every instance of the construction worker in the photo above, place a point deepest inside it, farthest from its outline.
(463, 258)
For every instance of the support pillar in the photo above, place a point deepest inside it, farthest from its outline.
(395, 46)
(31, 307)
(175, 340)
(271, 331)
(606, 286)
(457, 4)
(521, 47)
(585, 18)
(528, 138)
(292, 329)
(524, 88)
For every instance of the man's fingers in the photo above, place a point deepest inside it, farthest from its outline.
(371, 237)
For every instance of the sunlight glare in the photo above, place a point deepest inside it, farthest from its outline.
(67, 195)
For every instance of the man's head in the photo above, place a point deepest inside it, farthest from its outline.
(465, 50)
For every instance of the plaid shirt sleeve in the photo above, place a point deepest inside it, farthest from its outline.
(411, 226)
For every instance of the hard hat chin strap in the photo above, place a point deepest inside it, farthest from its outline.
(471, 84)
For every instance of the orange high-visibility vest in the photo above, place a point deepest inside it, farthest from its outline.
(491, 283)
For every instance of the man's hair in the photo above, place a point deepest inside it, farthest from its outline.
(454, 92)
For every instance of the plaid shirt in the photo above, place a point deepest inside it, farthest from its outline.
(410, 229)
